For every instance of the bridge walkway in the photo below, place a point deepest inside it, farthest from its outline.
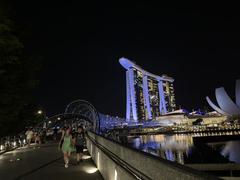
(45, 162)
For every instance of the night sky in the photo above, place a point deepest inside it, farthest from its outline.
(80, 45)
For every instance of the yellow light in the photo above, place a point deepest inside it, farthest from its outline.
(91, 170)
(14, 144)
(86, 157)
(39, 112)
(98, 160)
(115, 175)
(1, 147)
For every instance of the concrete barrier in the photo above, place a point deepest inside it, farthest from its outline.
(118, 162)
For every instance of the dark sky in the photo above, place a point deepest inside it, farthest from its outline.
(80, 45)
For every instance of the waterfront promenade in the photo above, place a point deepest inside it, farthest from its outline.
(45, 162)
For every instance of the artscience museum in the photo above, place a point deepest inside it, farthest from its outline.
(226, 106)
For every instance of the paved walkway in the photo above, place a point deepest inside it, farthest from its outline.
(45, 162)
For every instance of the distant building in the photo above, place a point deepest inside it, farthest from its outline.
(226, 105)
(148, 95)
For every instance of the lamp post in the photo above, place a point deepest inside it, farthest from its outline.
(42, 113)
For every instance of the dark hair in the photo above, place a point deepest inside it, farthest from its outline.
(80, 127)
(68, 127)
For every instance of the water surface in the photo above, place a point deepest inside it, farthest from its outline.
(185, 149)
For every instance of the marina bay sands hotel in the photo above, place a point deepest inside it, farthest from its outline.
(148, 95)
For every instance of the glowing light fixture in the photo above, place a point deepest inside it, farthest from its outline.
(86, 157)
(91, 170)
(39, 112)
(1, 147)
(14, 143)
(115, 174)
(98, 160)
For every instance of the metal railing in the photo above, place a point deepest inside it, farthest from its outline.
(127, 167)
(138, 164)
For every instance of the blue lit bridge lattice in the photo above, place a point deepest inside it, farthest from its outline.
(100, 122)
(83, 110)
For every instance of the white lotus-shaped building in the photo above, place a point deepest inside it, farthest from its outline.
(226, 105)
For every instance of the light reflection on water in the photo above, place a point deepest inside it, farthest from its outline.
(231, 150)
(182, 149)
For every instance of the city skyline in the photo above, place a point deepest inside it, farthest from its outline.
(115, 90)
(80, 50)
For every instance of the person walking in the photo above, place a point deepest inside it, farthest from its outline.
(37, 138)
(61, 139)
(29, 135)
(67, 142)
(44, 135)
(55, 133)
(79, 143)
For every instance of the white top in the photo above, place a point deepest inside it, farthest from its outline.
(29, 134)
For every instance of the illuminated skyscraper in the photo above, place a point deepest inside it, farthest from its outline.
(148, 95)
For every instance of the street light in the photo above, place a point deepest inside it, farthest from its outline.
(42, 114)
(58, 118)
(39, 112)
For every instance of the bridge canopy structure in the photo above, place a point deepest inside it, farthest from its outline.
(84, 113)
(81, 112)
(84, 110)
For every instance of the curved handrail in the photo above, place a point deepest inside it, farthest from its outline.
(131, 170)
(192, 173)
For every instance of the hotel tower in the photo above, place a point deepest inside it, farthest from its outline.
(148, 95)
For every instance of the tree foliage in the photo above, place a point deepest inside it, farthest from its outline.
(17, 79)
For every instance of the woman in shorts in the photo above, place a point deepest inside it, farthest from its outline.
(79, 143)
(66, 146)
